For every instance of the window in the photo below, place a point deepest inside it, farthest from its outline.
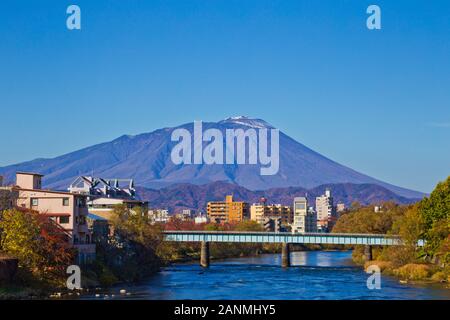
(65, 202)
(34, 202)
(64, 219)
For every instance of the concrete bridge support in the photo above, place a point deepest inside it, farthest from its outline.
(368, 253)
(204, 254)
(285, 255)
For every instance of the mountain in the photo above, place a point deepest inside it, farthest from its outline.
(147, 159)
(195, 197)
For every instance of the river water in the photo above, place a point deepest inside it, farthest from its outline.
(313, 275)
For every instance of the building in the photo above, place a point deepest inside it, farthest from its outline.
(305, 219)
(104, 188)
(326, 212)
(201, 218)
(228, 211)
(104, 207)
(68, 210)
(340, 207)
(273, 224)
(259, 212)
(324, 205)
(185, 215)
(103, 195)
(159, 215)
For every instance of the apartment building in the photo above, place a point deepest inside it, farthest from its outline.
(68, 210)
(305, 218)
(228, 210)
(261, 211)
(326, 211)
(324, 205)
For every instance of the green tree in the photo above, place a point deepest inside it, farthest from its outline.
(132, 252)
(435, 211)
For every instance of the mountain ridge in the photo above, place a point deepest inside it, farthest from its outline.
(188, 196)
(146, 157)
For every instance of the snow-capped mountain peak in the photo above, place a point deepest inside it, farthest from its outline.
(248, 122)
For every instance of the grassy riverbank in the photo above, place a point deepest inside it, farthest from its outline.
(428, 221)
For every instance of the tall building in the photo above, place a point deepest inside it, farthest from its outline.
(68, 210)
(326, 212)
(228, 210)
(324, 206)
(305, 219)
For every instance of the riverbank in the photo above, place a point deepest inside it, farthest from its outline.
(412, 273)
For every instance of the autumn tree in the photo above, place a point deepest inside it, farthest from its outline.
(40, 245)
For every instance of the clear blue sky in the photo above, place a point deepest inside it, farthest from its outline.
(376, 101)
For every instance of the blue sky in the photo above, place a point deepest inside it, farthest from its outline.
(376, 101)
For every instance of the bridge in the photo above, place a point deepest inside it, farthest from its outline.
(285, 238)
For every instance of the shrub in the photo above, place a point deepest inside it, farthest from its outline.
(439, 277)
(413, 271)
(383, 265)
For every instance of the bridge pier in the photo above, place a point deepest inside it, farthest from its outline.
(204, 254)
(285, 255)
(368, 253)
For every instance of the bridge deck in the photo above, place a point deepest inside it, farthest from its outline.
(282, 237)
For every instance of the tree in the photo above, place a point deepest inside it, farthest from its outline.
(132, 252)
(435, 211)
(437, 206)
(39, 244)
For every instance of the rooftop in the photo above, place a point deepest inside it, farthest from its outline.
(30, 173)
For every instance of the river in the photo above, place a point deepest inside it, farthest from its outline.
(313, 275)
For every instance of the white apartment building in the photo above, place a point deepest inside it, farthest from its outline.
(305, 219)
(324, 206)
